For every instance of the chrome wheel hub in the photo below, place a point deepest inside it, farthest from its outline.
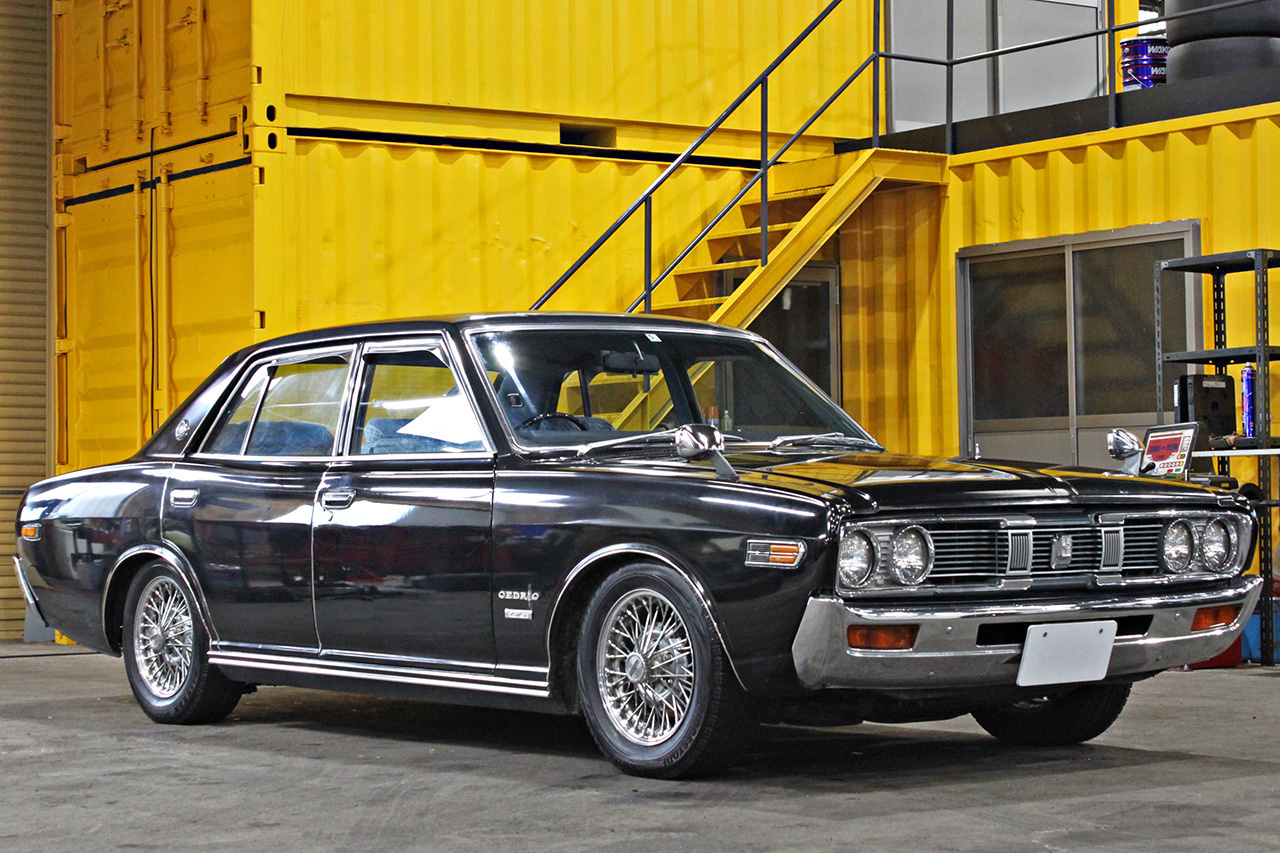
(645, 667)
(163, 638)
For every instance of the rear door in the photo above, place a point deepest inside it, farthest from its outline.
(402, 521)
(241, 508)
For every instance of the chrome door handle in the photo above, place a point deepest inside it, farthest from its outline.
(337, 498)
(183, 497)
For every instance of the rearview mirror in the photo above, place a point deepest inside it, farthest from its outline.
(629, 362)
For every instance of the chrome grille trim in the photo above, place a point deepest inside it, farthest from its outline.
(1107, 549)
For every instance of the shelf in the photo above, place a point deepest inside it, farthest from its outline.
(1230, 355)
(1224, 264)
(1257, 451)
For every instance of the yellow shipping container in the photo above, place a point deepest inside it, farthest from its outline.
(230, 171)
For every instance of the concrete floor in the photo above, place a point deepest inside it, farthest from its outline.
(1192, 765)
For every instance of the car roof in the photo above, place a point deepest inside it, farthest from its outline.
(462, 322)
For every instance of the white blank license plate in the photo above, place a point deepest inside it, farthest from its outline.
(1066, 652)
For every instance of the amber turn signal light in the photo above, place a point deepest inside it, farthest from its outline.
(1208, 618)
(883, 637)
(31, 531)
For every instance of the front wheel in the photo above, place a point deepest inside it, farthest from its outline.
(166, 652)
(656, 686)
(1067, 718)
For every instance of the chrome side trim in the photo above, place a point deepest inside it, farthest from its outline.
(25, 585)
(372, 672)
(180, 567)
(652, 553)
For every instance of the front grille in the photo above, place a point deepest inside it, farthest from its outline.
(983, 553)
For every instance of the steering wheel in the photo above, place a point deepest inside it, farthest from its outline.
(546, 416)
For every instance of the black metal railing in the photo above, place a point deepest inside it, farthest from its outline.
(874, 61)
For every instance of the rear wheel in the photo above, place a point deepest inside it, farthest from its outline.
(1060, 720)
(656, 687)
(166, 652)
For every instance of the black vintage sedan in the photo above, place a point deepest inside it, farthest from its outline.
(658, 524)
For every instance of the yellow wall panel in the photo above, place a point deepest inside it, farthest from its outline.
(379, 231)
(676, 62)
(898, 322)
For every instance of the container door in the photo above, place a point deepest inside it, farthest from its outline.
(403, 521)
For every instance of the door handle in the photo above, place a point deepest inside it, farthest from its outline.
(183, 497)
(337, 498)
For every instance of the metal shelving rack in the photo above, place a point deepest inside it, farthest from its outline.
(1260, 261)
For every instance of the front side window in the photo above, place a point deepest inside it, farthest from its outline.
(410, 402)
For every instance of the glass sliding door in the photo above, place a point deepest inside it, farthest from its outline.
(1058, 340)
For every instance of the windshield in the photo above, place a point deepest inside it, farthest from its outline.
(568, 388)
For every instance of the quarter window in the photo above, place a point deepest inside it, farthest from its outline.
(411, 403)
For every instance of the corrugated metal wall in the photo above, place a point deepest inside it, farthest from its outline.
(898, 250)
(24, 195)
(465, 231)
(898, 321)
(673, 62)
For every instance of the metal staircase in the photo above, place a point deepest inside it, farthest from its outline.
(786, 211)
(811, 200)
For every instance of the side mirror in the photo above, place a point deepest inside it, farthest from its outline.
(698, 441)
(1122, 444)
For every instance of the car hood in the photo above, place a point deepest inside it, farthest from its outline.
(882, 481)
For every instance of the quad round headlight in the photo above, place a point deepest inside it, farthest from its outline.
(911, 555)
(1216, 545)
(1178, 547)
(857, 560)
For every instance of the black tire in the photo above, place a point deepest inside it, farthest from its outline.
(170, 674)
(1067, 718)
(698, 716)
(1254, 19)
(1215, 57)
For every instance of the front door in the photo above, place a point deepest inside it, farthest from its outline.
(402, 519)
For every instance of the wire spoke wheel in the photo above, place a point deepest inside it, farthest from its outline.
(645, 667)
(163, 637)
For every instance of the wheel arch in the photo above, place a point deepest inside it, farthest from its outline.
(116, 588)
(576, 591)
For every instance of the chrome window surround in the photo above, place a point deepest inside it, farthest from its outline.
(443, 348)
(350, 351)
(357, 351)
(472, 332)
(1017, 537)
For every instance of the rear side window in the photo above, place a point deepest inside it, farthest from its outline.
(411, 403)
(288, 409)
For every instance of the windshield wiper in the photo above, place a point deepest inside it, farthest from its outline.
(826, 439)
(666, 436)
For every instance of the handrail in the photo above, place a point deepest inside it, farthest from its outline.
(684, 156)
(874, 61)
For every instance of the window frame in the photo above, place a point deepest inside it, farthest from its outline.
(1188, 230)
(350, 350)
(442, 346)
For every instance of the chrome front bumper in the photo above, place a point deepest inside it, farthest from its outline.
(27, 592)
(946, 651)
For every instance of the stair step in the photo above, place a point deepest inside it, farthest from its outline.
(810, 192)
(713, 302)
(727, 265)
(748, 232)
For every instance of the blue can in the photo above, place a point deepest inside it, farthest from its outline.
(1142, 61)
(1248, 377)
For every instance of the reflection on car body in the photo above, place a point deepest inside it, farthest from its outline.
(657, 523)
